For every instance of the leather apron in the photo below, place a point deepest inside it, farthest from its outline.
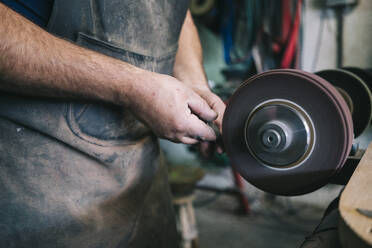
(86, 174)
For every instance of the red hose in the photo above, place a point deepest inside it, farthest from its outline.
(290, 51)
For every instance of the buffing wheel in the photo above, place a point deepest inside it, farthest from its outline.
(287, 131)
(365, 75)
(355, 89)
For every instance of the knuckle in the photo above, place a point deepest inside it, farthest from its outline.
(179, 126)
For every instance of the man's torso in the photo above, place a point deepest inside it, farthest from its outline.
(85, 174)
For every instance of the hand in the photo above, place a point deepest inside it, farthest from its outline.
(213, 101)
(207, 149)
(171, 109)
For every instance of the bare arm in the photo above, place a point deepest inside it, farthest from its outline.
(189, 67)
(34, 62)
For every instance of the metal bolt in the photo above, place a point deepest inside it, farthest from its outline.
(271, 138)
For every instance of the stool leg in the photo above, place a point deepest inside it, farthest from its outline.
(186, 222)
(242, 198)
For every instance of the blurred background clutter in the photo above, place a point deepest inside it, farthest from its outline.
(216, 207)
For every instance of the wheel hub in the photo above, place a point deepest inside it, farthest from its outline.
(283, 142)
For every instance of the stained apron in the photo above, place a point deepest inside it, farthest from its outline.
(88, 174)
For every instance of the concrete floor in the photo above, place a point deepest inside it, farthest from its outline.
(280, 222)
(274, 223)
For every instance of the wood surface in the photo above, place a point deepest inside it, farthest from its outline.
(356, 228)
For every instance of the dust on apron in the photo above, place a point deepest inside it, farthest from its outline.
(85, 174)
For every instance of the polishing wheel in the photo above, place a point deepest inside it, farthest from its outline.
(365, 75)
(287, 131)
(355, 92)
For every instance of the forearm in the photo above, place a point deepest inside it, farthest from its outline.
(189, 68)
(189, 59)
(34, 62)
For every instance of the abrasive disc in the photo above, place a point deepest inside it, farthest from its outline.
(287, 131)
(359, 93)
(365, 75)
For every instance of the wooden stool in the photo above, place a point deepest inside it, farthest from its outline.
(186, 222)
(183, 180)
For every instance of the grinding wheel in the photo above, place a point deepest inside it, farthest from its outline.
(365, 75)
(287, 131)
(352, 87)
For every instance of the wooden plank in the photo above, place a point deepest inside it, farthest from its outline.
(357, 195)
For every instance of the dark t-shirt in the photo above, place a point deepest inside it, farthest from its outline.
(37, 11)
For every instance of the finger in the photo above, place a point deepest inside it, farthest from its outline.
(218, 123)
(197, 129)
(200, 108)
(220, 149)
(215, 128)
(205, 149)
(218, 106)
(220, 146)
(188, 141)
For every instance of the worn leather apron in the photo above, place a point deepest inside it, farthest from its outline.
(84, 174)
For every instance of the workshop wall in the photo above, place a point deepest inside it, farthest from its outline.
(319, 36)
(319, 47)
